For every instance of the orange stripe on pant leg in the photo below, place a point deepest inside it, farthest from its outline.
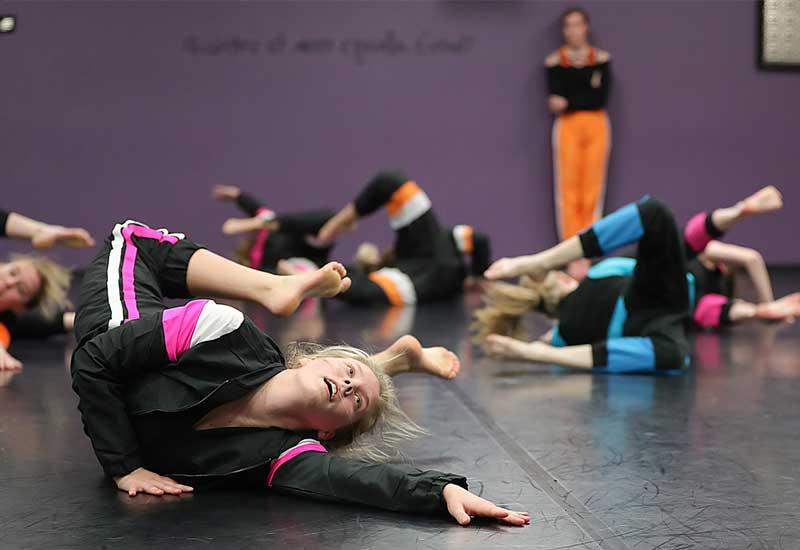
(463, 235)
(567, 186)
(400, 197)
(389, 288)
(5, 336)
(389, 321)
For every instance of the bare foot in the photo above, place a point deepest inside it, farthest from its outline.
(437, 361)
(284, 298)
(767, 199)
(784, 309)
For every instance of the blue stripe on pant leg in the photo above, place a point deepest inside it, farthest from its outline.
(618, 318)
(556, 339)
(630, 354)
(619, 228)
(617, 266)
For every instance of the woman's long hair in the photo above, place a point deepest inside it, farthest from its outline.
(506, 304)
(375, 437)
(51, 298)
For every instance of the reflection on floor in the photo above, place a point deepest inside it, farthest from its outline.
(706, 460)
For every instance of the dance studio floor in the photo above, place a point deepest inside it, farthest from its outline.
(707, 460)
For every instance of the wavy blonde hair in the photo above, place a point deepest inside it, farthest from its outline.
(378, 434)
(505, 305)
(51, 297)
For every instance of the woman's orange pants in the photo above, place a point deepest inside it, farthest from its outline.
(581, 145)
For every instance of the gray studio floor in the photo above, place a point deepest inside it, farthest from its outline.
(707, 460)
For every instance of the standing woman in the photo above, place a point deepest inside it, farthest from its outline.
(578, 81)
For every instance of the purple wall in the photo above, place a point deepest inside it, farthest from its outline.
(106, 114)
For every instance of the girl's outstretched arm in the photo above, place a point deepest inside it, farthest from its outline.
(41, 234)
(312, 472)
(627, 354)
(537, 265)
(579, 357)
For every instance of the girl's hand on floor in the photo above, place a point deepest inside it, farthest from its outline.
(463, 505)
(7, 361)
(145, 481)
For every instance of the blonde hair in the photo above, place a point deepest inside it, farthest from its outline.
(505, 304)
(378, 434)
(55, 278)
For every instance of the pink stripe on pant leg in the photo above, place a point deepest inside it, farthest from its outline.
(695, 233)
(709, 309)
(129, 262)
(148, 233)
(128, 267)
(257, 250)
(179, 325)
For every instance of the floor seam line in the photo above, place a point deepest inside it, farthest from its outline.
(595, 528)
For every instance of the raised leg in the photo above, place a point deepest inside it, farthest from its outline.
(211, 275)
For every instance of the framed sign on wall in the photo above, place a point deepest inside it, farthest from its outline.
(779, 34)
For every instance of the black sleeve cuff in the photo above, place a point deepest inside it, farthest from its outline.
(3, 220)
(248, 203)
(482, 253)
(120, 469)
(590, 244)
(725, 314)
(599, 354)
(35, 325)
(712, 229)
(439, 483)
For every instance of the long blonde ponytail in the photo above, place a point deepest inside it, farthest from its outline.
(505, 304)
